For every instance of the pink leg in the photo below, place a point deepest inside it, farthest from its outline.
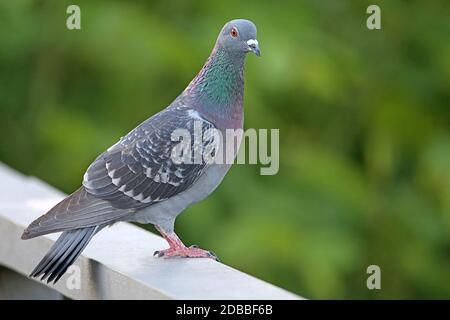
(178, 249)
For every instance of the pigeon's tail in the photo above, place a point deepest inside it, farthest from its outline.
(63, 253)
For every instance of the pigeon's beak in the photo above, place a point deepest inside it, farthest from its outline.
(254, 46)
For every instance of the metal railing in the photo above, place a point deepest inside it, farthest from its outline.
(117, 264)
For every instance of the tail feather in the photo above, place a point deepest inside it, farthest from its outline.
(63, 253)
(56, 270)
(53, 254)
(66, 263)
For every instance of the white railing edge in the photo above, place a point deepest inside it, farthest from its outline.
(118, 263)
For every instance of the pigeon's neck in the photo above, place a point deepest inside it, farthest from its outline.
(217, 90)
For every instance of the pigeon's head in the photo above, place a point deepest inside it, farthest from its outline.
(239, 37)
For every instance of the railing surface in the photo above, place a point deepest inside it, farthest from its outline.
(117, 264)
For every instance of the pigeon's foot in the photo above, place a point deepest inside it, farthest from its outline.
(178, 249)
(186, 252)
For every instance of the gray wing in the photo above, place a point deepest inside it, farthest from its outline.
(134, 173)
(78, 210)
(139, 170)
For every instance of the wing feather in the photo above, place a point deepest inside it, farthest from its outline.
(134, 173)
(138, 171)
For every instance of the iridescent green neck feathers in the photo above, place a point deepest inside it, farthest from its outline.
(219, 86)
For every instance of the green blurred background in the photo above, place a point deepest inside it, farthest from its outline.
(363, 117)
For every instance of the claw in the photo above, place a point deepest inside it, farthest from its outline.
(212, 255)
(158, 253)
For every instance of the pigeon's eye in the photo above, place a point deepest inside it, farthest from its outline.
(234, 32)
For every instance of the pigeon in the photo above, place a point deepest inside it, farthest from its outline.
(139, 179)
